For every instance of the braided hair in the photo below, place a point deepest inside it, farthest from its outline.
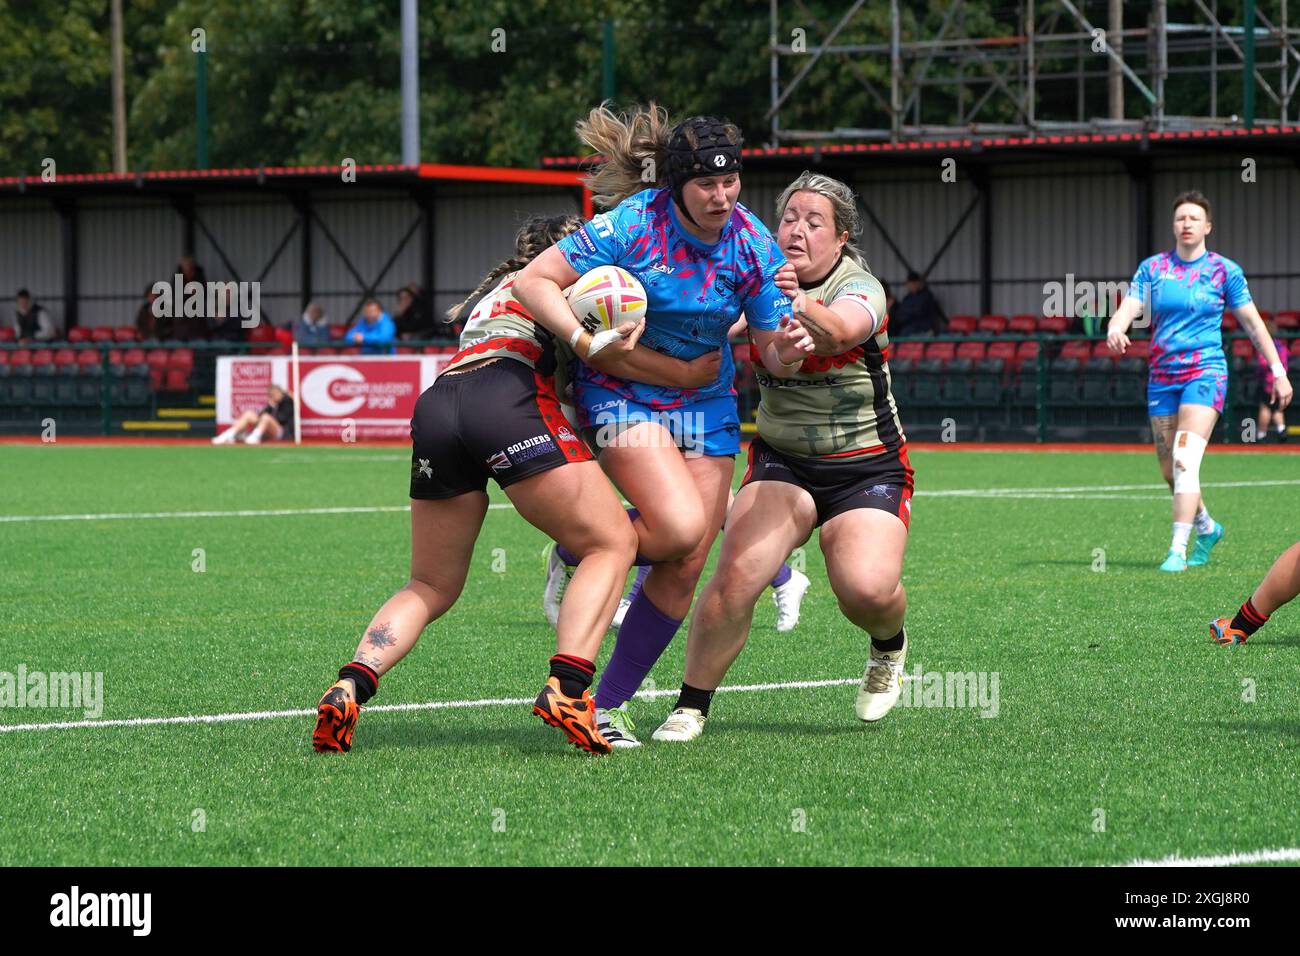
(534, 237)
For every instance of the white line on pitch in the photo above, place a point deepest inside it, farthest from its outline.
(383, 708)
(1289, 855)
(1080, 493)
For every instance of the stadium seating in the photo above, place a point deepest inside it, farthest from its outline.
(1288, 321)
(992, 325)
(962, 324)
(1053, 324)
(1022, 324)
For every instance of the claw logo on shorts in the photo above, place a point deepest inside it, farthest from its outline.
(425, 470)
(565, 435)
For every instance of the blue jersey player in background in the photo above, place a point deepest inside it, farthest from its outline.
(1183, 293)
(704, 259)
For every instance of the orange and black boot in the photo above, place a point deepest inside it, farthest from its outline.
(575, 716)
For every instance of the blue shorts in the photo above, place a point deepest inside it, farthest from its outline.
(1206, 387)
(709, 427)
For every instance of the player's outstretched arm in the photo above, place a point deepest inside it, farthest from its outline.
(1119, 324)
(836, 328)
(1253, 323)
(783, 349)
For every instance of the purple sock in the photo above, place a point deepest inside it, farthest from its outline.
(645, 634)
(641, 574)
(781, 576)
(565, 555)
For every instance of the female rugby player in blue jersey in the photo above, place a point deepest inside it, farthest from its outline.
(674, 222)
(1187, 288)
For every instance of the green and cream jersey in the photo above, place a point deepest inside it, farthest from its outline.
(835, 406)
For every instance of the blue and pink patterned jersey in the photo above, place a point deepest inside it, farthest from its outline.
(695, 291)
(1186, 301)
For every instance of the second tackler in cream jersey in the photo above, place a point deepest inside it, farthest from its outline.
(835, 406)
(500, 327)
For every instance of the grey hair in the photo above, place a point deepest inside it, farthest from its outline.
(844, 205)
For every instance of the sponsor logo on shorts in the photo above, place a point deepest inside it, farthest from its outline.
(565, 435)
(531, 448)
(500, 461)
(425, 470)
(880, 491)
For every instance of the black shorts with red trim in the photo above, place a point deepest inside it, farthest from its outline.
(881, 481)
(500, 420)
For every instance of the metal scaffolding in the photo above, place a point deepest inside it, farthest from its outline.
(1060, 67)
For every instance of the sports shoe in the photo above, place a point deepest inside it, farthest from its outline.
(616, 726)
(788, 597)
(558, 576)
(621, 613)
(1204, 542)
(1174, 562)
(575, 716)
(882, 682)
(336, 717)
(683, 724)
(1224, 634)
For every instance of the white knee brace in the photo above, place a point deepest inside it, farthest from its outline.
(1189, 449)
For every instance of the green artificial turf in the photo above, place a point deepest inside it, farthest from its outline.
(1112, 698)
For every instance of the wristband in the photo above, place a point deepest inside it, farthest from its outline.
(1278, 370)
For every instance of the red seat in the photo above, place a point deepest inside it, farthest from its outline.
(78, 334)
(132, 356)
(262, 332)
(125, 333)
(1138, 348)
(338, 331)
(909, 349)
(1265, 315)
(177, 380)
(971, 350)
(1230, 323)
(20, 357)
(157, 358)
(181, 358)
(7, 334)
(155, 378)
(91, 357)
(1054, 324)
(1003, 350)
(1076, 349)
(962, 324)
(101, 334)
(1101, 350)
(993, 324)
(42, 357)
(941, 350)
(1242, 348)
(352, 350)
(65, 357)
(4, 357)
(407, 350)
(1022, 324)
(1288, 320)
(323, 351)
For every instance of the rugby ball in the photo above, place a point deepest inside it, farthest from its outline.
(606, 297)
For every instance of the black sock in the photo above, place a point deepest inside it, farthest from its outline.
(895, 643)
(573, 673)
(1249, 620)
(696, 698)
(364, 680)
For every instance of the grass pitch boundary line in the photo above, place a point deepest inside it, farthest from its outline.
(1288, 855)
(1078, 492)
(386, 708)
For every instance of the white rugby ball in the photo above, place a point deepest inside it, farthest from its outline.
(606, 297)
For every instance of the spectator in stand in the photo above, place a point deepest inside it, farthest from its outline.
(374, 331)
(230, 325)
(1272, 420)
(313, 327)
(274, 422)
(31, 322)
(918, 313)
(414, 320)
(188, 327)
(152, 326)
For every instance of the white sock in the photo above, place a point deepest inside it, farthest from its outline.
(255, 438)
(1204, 523)
(1181, 533)
(226, 437)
